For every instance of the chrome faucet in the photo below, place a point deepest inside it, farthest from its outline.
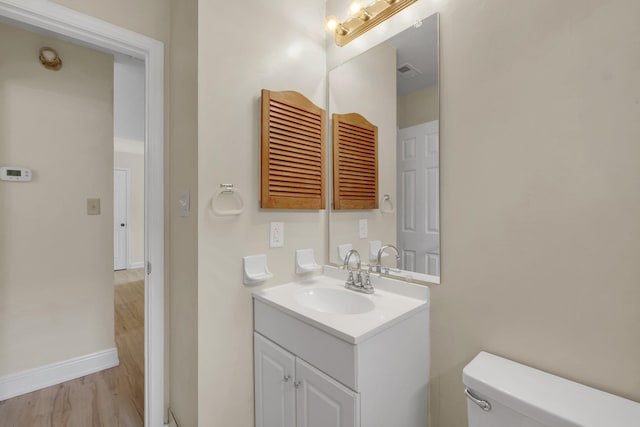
(357, 284)
(347, 266)
(378, 267)
(347, 259)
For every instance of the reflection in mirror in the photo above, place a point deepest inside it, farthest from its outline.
(355, 162)
(395, 87)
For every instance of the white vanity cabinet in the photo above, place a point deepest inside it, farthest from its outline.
(289, 392)
(322, 401)
(274, 372)
(314, 368)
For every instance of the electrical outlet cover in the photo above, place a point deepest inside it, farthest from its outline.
(276, 235)
(364, 229)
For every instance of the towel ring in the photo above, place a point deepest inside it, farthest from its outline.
(386, 199)
(227, 189)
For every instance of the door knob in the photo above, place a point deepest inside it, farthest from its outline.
(122, 225)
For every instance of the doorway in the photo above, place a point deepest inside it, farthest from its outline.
(128, 162)
(87, 31)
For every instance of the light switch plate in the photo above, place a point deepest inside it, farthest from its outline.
(364, 229)
(276, 235)
(93, 206)
(184, 204)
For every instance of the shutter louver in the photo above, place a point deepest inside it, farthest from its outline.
(293, 152)
(355, 162)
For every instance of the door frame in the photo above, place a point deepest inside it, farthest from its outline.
(127, 193)
(57, 20)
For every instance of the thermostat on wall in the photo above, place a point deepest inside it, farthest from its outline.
(15, 174)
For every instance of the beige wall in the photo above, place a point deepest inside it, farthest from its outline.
(182, 254)
(134, 163)
(281, 49)
(56, 262)
(418, 107)
(353, 88)
(540, 204)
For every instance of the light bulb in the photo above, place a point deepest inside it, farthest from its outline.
(355, 7)
(331, 23)
(49, 55)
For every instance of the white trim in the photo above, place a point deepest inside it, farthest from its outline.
(13, 385)
(172, 420)
(80, 28)
(134, 265)
(130, 146)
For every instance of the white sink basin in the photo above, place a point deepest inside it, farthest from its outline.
(323, 302)
(336, 301)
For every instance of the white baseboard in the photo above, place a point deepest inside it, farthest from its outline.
(135, 265)
(13, 385)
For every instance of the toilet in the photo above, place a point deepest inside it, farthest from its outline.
(503, 393)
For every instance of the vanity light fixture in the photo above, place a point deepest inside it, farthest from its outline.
(355, 7)
(364, 18)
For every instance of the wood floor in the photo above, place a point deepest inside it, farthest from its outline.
(123, 277)
(111, 398)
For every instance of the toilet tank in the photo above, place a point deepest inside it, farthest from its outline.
(503, 393)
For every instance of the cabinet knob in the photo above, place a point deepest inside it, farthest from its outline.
(286, 378)
(297, 384)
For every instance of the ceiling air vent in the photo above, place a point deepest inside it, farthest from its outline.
(408, 71)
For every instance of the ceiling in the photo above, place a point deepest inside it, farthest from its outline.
(418, 47)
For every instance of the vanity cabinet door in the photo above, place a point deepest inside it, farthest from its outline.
(274, 389)
(323, 402)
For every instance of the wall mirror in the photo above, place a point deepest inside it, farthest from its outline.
(395, 86)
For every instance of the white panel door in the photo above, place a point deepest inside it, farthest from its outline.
(120, 191)
(419, 198)
(323, 402)
(274, 389)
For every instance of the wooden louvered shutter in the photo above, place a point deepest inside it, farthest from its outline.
(293, 152)
(355, 162)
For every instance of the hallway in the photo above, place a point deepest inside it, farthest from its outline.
(114, 397)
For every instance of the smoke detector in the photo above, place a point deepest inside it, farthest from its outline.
(408, 71)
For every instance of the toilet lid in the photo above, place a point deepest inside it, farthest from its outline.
(547, 398)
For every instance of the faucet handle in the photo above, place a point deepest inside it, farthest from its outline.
(350, 281)
(359, 278)
(367, 286)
